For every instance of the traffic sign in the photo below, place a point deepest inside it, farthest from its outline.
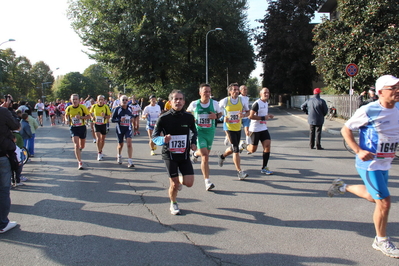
(351, 70)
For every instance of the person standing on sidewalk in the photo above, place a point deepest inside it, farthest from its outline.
(205, 111)
(175, 126)
(8, 122)
(317, 109)
(77, 114)
(378, 125)
(234, 109)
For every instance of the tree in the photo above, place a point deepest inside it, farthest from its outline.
(156, 46)
(42, 79)
(15, 77)
(253, 87)
(286, 46)
(74, 82)
(367, 34)
(97, 74)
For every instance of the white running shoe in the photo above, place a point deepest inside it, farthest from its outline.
(94, 140)
(242, 146)
(80, 165)
(226, 141)
(386, 247)
(130, 163)
(100, 157)
(335, 187)
(242, 175)
(266, 171)
(174, 208)
(209, 185)
(119, 159)
(194, 159)
(152, 152)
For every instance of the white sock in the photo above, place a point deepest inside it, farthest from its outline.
(207, 181)
(248, 140)
(381, 238)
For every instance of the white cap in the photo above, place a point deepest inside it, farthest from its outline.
(386, 80)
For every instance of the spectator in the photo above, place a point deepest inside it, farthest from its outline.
(25, 131)
(372, 97)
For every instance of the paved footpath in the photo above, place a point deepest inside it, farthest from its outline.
(108, 214)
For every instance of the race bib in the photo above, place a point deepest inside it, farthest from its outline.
(152, 123)
(177, 144)
(204, 121)
(387, 147)
(126, 123)
(76, 122)
(233, 117)
(99, 120)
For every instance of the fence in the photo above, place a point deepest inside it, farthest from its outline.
(345, 104)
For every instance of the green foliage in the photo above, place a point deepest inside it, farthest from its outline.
(253, 87)
(155, 46)
(367, 34)
(41, 76)
(286, 46)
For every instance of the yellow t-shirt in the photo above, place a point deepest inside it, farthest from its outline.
(168, 106)
(71, 112)
(233, 111)
(96, 110)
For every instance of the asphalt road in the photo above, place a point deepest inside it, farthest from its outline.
(108, 214)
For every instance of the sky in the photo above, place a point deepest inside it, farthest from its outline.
(42, 32)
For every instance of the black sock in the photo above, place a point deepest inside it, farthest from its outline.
(266, 156)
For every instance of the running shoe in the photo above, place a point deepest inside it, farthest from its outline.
(335, 187)
(152, 152)
(266, 171)
(80, 166)
(221, 160)
(138, 133)
(226, 141)
(242, 175)
(386, 247)
(174, 208)
(119, 159)
(209, 185)
(23, 178)
(19, 184)
(242, 146)
(100, 157)
(94, 140)
(194, 159)
(130, 163)
(9, 226)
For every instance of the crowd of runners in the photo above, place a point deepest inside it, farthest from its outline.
(186, 135)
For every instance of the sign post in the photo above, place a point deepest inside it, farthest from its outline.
(351, 70)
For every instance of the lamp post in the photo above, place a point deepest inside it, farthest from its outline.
(206, 53)
(9, 40)
(44, 83)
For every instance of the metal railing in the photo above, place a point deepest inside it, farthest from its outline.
(345, 104)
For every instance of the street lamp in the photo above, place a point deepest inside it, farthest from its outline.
(9, 40)
(206, 53)
(44, 83)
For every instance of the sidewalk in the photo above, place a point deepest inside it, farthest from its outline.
(332, 127)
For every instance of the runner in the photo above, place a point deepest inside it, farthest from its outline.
(205, 111)
(76, 115)
(151, 113)
(234, 112)
(175, 125)
(122, 115)
(100, 114)
(245, 120)
(61, 108)
(39, 107)
(90, 122)
(51, 111)
(136, 109)
(378, 126)
(258, 131)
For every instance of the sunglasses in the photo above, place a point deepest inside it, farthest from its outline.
(125, 100)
